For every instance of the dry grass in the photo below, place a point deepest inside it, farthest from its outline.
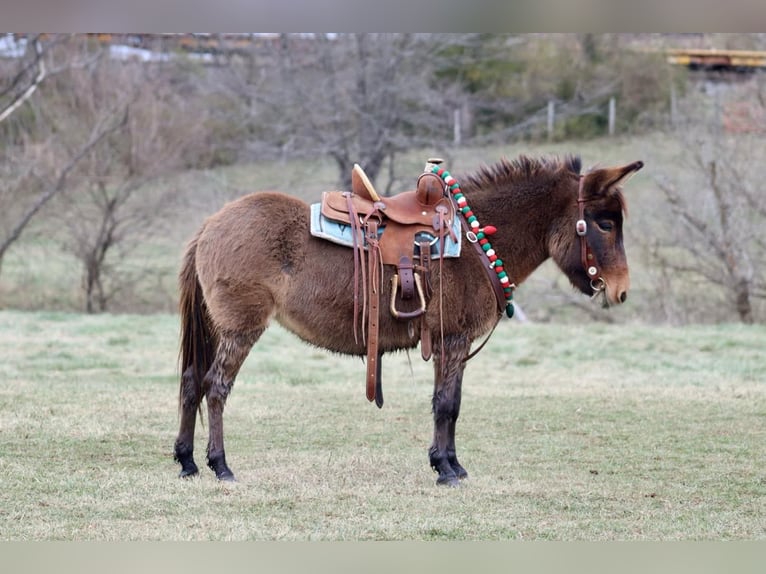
(570, 433)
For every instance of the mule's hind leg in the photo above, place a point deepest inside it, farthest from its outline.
(231, 353)
(190, 400)
(446, 408)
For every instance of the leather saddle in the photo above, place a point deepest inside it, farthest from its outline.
(400, 217)
(399, 230)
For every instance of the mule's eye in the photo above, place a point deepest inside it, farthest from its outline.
(605, 225)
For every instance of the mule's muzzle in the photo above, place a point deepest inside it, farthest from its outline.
(615, 294)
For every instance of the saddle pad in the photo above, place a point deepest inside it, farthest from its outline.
(340, 233)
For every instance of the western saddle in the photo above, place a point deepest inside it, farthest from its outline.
(403, 230)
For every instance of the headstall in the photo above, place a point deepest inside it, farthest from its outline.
(587, 258)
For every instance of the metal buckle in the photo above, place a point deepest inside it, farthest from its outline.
(581, 227)
(471, 236)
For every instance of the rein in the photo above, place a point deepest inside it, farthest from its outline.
(587, 258)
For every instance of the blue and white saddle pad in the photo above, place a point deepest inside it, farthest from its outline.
(340, 233)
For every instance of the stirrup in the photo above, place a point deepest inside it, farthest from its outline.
(407, 314)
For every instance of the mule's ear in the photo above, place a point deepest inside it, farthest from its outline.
(607, 180)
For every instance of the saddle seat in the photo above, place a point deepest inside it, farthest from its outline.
(428, 191)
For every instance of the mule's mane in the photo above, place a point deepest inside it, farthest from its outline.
(523, 168)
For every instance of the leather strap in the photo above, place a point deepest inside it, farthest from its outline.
(493, 278)
(406, 278)
(373, 316)
(587, 258)
(496, 285)
(379, 382)
(475, 352)
(425, 332)
(358, 255)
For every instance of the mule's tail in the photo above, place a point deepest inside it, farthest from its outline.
(198, 339)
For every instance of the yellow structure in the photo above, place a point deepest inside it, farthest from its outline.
(712, 59)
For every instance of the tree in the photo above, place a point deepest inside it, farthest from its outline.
(23, 82)
(35, 164)
(119, 201)
(718, 209)
(356, 98)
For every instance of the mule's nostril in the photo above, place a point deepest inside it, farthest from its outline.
(623, 296)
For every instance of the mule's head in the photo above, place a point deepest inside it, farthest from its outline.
(593, 255)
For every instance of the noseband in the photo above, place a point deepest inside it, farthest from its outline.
(587, 258)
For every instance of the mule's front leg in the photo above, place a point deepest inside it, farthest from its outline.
(448, 371)
(451, 450)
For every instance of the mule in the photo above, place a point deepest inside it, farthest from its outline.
(255, 260)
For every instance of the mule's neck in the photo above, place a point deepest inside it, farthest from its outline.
(526, 217)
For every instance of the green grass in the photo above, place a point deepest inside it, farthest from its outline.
(591, 432)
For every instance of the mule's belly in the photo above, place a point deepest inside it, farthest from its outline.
(344, 343)
(327, 320)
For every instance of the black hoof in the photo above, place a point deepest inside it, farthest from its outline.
(460, 472)
(449, 471)
(183, 455)
(226, 476)
(188, 466)
(451, 481)
(188, 472)
(447, 476)
(218, 465)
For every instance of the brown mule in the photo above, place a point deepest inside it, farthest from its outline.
(256, 260)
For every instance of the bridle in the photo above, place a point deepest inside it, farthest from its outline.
(597, 282)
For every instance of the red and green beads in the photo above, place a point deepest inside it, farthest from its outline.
(480, 235)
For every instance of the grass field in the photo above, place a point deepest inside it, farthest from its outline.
(590, 432)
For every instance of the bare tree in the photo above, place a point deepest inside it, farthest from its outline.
(715, 234)
(48, 189)
(21, 84)
(356, 98)
(120, 200)
(36, 162)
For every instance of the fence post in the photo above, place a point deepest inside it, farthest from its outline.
(673, 105)
(551, 118)
(612, 114)
(456, 131)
